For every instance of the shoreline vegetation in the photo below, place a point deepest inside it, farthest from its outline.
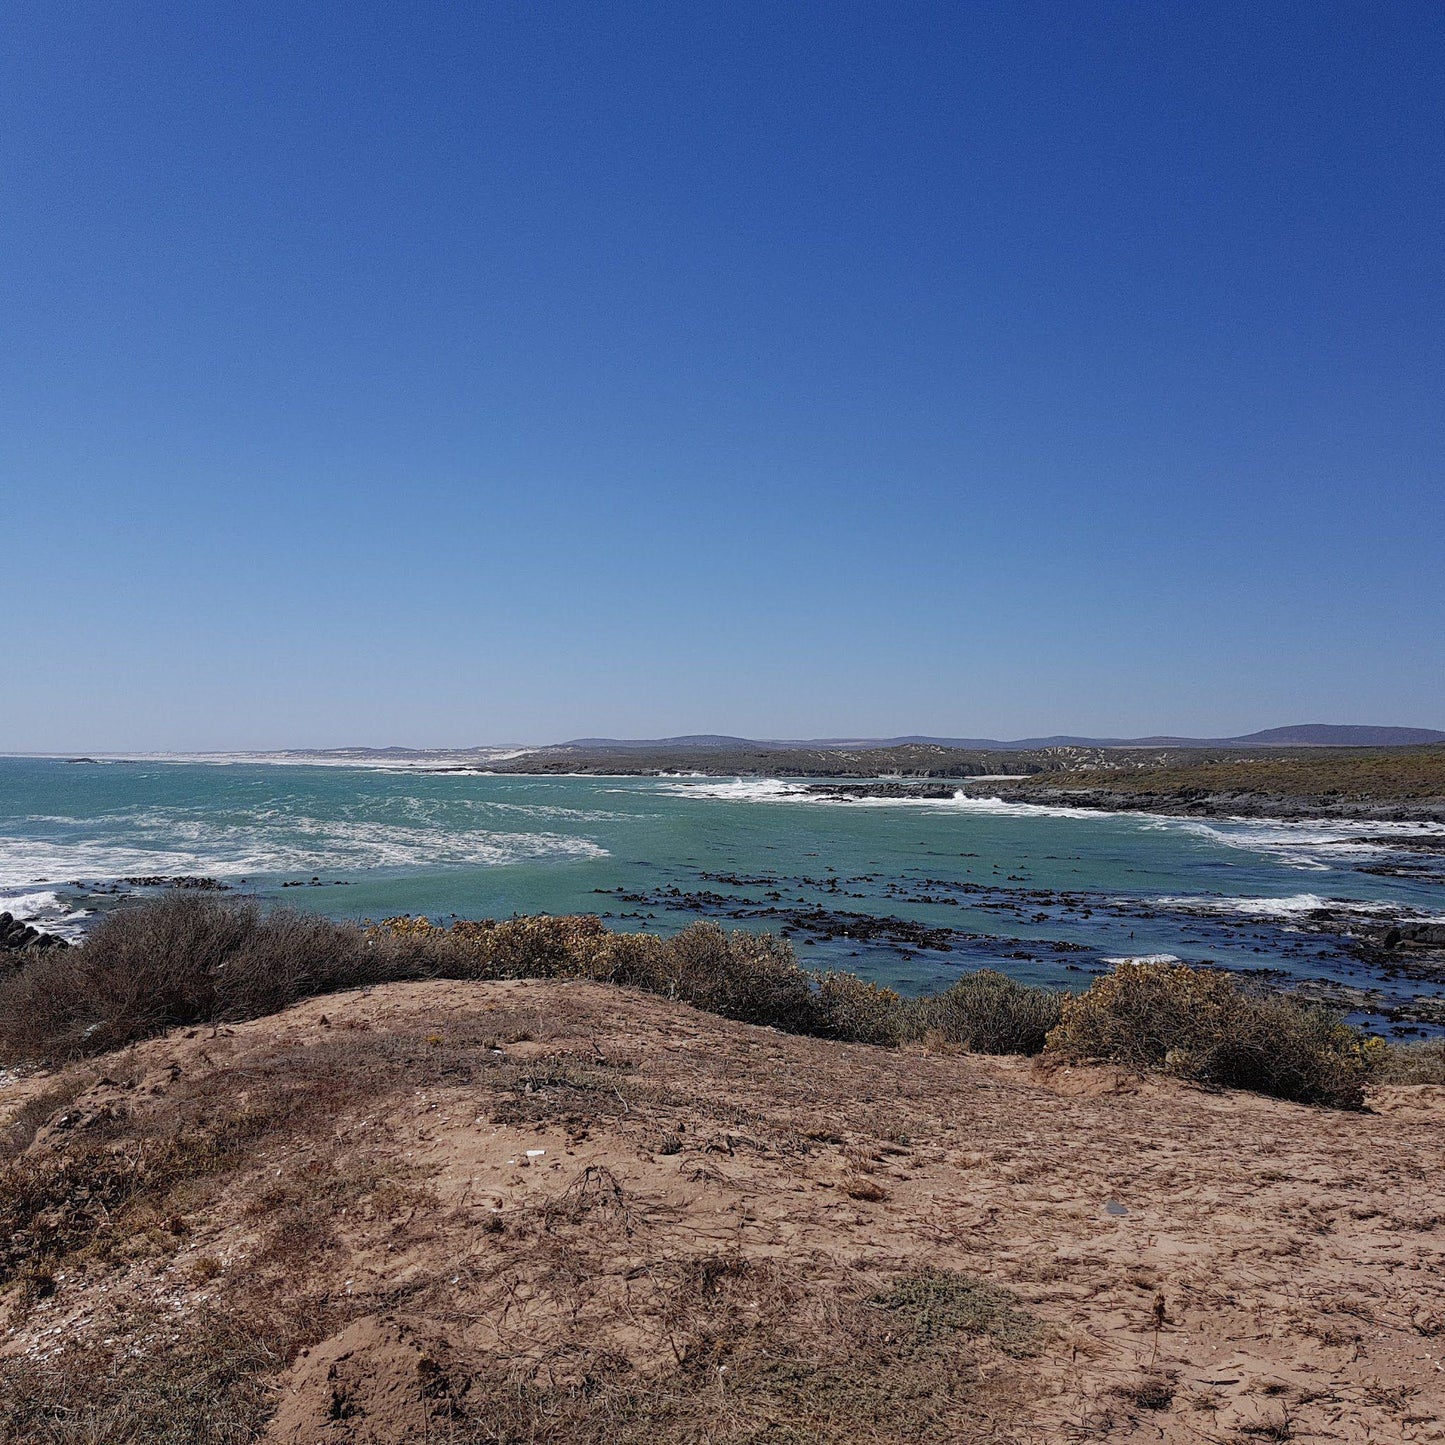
(188, 959)
(269, 1178)
(1387, 784)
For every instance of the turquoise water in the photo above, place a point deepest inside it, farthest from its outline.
(1045, 895)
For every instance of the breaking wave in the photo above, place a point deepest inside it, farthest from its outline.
(1312, 845)
(739, 790)
(1295, 905)
(780, 790)
(46, 911)
(170, 841)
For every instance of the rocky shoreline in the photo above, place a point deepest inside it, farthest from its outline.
(16, 934)
(1386, 963)
(1195, 803)
(1174, 803)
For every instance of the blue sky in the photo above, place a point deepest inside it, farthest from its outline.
(444, 374)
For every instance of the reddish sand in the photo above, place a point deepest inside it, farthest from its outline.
(1275, 1270)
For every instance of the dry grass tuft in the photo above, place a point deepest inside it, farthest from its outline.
(934, 1305)
(1422, 1063)
(103, 1178)
(198, 1381)
(1153, 1392)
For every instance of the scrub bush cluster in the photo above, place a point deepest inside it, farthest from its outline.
(185, 960)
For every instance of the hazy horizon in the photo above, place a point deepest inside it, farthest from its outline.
(646, 737)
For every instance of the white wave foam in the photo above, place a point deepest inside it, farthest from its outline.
(997, 808)
(739, 790)
(1296, 844)
(26, 906)
(1143, 958)
(45, 910)
(162, 841)
(781, 790)
(961, 802)
(542, 810)
(1295, 905)
(1306, 844)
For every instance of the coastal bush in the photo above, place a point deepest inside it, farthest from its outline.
(1202, 1025)
(185, 959)
(536, 947)
(191, 959)
(987, 1013)
(1422, 1063)
(852, 1008)
(751, 977)
(571, 946)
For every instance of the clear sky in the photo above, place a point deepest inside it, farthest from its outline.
(462, 373)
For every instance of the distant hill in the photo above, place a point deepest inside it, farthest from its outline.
(1302, 735)
(1330, 735)
(690, 740)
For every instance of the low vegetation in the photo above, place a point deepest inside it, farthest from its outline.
(908, 760)
(934, 1305)
(180, 960)
(1400, 775)
(187, 960)
(1367, 775)
(126, 1163)
(206, 1388)
(986, 1013)
(1422, 1063)
(1205, 1026)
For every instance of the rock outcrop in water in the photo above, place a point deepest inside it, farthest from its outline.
(185, 880)
(16, 934)
(1207, 803)
(1179, 802)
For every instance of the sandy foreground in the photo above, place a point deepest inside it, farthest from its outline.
(570, 1184)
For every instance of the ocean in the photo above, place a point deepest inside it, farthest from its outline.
(907, 893)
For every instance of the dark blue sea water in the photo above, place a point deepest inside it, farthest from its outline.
(1046, 895)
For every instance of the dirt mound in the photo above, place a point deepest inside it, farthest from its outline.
(545, 1212)
(373, 1383)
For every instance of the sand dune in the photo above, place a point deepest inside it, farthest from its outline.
(450, 1211)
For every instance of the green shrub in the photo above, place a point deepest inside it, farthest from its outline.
(1202, 1025)
(852, 1008)
(988, 1013)
(751, 977)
